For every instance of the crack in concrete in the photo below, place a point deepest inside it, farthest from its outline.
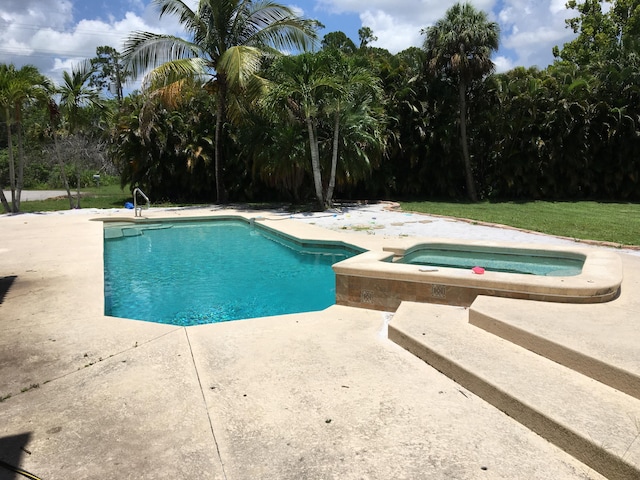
(204, 401)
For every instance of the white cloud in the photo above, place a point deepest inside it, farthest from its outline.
(529, 28)
(20, 20)
(392, 33)
(42, 33)
(18, 47)
(422, 10)
(55, 13)
(503, 64)
(417, 13)
(557, 6)
(397, 24)
(60, 65)
(298, 10)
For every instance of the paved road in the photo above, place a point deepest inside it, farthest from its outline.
(28, 195)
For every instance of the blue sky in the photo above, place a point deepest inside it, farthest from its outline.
(55, 34)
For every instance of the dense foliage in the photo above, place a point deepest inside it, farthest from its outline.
(353, 121)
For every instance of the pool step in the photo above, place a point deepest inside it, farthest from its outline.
(585, 339)
(598, 425)
(132, 229)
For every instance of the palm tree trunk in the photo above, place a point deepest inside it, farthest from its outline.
(78, 184)
(315, 162)
(118, 81)
(62, 172)
(334, 161)
(221, 193)
(54, 117)
(471, 184)
(12, 166)
(3, 200)
(20, 182)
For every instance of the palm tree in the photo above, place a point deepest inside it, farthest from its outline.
(17, 87)
(299, 86)
(336, 101)
(352, 107)
(9, 91)
(459, 46)
(277, 150)
(75, 95)
(227, 40)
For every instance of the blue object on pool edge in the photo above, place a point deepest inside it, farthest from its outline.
(128, 205)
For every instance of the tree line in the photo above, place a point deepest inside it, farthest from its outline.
(223, 116)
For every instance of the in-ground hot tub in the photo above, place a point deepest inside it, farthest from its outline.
(496, 259)
(442, 272)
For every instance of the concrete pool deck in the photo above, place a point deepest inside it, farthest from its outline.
(307, 396)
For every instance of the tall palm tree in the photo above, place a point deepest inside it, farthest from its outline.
(226, 41)
(17, 88)
(352, 107)
(337, 103)
(300, 84)
(459, 46)
(9, 91)
(75, 95)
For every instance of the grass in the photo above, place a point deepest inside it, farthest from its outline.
(618, 223)
(110, 196)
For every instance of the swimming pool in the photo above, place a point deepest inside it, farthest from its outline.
(194, 272)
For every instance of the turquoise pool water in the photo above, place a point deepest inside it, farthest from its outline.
(497, 259)
(195, 272)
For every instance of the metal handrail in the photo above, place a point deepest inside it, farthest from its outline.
(137, 211)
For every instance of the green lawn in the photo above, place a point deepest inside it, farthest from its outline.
(110, 196)
(611, 222)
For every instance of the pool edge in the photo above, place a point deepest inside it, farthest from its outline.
(370, 280)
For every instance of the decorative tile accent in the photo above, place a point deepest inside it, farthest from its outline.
(438, 291)
(366, 296)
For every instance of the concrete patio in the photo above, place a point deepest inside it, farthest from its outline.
(323, 395)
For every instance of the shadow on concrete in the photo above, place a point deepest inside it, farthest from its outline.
(11, 451)
(5, 285)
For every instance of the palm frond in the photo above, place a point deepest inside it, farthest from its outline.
(186, 16)
(239, 64)
(144, 50)
(239, 106)
(268, 23)
(170, 72)
(289, 35)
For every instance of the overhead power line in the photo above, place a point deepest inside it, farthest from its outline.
(113, 39)
(45, 53)
(78, 31)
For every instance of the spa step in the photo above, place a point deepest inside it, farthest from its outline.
(586, 339)
(595, 423)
